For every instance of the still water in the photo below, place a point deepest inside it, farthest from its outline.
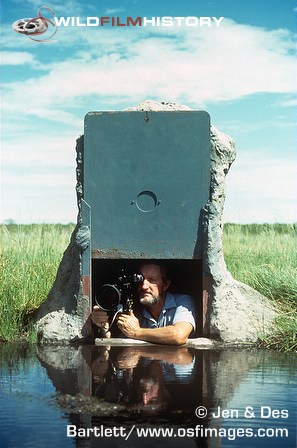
(143, 396)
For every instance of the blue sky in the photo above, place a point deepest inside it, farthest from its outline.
(243, 73)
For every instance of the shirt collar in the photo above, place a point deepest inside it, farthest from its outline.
(170, 302)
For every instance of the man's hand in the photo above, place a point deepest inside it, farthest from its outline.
(129, 325)
(128, 358)
(100, 318)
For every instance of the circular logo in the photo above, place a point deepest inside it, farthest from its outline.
(37, 26)
(29, 26)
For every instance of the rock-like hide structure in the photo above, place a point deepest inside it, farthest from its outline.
(236, 312)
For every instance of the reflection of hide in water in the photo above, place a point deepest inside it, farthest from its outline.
(144, 378)
(232, 379)
(128, 373)
(140, 383)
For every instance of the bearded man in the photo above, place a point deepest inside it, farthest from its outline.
(165, 318)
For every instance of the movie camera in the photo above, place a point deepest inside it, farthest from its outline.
(118, 296)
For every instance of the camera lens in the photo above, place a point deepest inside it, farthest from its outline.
(108, 297)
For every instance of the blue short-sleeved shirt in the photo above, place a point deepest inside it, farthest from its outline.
(176, 308)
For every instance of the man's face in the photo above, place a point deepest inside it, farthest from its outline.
(153, 289)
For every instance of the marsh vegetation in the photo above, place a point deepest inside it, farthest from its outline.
(262, 256)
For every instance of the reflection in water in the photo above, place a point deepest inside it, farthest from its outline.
(151, 386)
(141, 377)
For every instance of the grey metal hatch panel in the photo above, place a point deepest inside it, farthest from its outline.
(146, 178)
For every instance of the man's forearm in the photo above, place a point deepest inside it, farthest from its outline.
(176, 334)
(172, 334)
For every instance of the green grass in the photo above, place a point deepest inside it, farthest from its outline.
(29, 258)
(262, 256)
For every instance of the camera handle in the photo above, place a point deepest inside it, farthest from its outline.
(102, 332)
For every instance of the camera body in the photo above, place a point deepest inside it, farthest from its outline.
(119, 295)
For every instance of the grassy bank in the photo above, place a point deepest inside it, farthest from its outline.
(263, 256)
(30, 255)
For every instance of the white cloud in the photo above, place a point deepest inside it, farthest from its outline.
(16, 58)
(39, 196)
(194, 66)
(113, 10)
(70, 7)
(38, 150)
(261, 189)
(289, 103)
(239, 128)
